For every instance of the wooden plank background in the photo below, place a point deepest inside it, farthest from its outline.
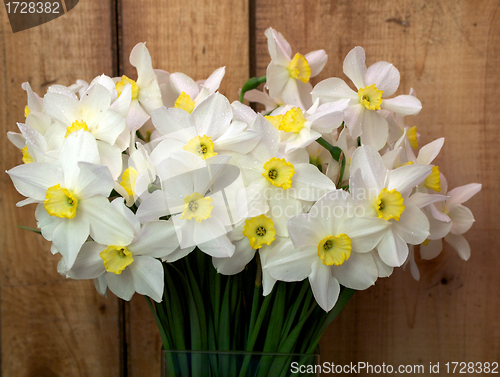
(448, 51)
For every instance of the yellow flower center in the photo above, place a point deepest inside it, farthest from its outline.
(184, 102)
(60, 202)
(293, 120)
(279, 172)
(197, 207)
(129, 177)
(124, 81)
(335, 250)
(411, 134)
(299, 68)
(76, 126)
(370, 97)
(116, 258)
(389, 204)
(26, 111)
(259, 230)
(26, 155)
(275, 120)
(201, 146)
(433, 181)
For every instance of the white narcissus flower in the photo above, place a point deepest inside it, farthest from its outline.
(287, 78)
(94, 114)
(332, 245)
(139, 174)
(146, 95)
(72, 197)
(207, 132)
(385, 194)
(127, 267)
(299, 129)
(181, 91)
(280, 185)
(255, 234)
(373, 85)
(193, 193)
(450, 220)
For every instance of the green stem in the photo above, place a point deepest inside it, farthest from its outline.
(344, 297)
(337, 154)
(30, 229)
(163, 336)
(251, 84)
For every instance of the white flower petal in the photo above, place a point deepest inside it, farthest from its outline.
(358, 272)
(141, 60)
(33, 180)
(136, 116)
(156, 239)
(392, 249)
(354, 118)
(214, 80)
(385, 77)
(45, 222)
(438, 229)
(219, 247)
(153, 207)
(183, 83)
(461, 194)
(213, 116)
(305, 230)
(413, 226)
(402, 105)
(61, 107)
(243, 254)
(369, 162)
(405, 178)
(317, 61)
(325, 287)
(286, 263)
(69, 237)
(422, 200)
(93, 180)
(107, 226)
(429, 152)
(147, 274)
(355, 67)
(365, 233)
(88, 264)
(277, 79)
(432, 250)
(78, 146)
(374, 130)
(384, 270)
(278, 47)
(460, 244)
(237, 138)
(333, 89)
(309, 184)
(462, 219)
(121, 285)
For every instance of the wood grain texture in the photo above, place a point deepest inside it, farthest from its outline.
(193, 38)
(449, 53)
(50, 326)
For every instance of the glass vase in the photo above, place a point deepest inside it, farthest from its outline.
(238, 364)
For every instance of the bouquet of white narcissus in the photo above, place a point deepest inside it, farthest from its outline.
(130, 177)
